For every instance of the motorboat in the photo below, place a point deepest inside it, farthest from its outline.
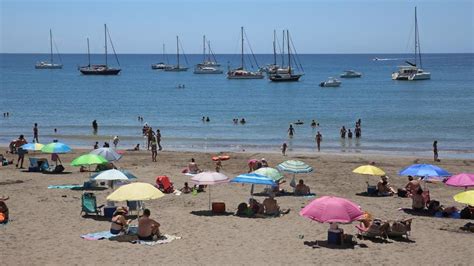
(351, 74)
(160, 65)
(207, 70)
(331, 82)
(52, 65)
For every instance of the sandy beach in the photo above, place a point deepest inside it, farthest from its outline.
(46, 224)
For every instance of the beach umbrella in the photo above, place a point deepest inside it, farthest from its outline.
(209, 178)
(113, 174)
(424, 170)
(135, 192)
(108, 153)
(369, 170)
(466, 197)
(295, 167)
(254, 179)
(461, 180)
(56, 147)
(269, 172)
(88, 159)
(330, 209)
(32, 146)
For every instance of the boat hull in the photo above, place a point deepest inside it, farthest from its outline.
(246, 77)
(176, 69)
(100, 72)
(208, 72)
(285, 78)
(49, 66)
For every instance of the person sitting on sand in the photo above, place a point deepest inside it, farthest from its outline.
(147, 227)
(96, 145)
(270, 205)
(193, 167)
(242, 209)
(137, 148)
(383, 187)
(264, 162)
(256, 207)
(412, 186)
(119, 224)
(3, 210)
(418, 202)
(186, 189)
(301, 189)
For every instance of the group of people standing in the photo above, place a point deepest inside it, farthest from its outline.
(153, 141)
(357, 131)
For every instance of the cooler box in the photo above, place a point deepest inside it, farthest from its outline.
(109, 211)
(218, 207)
(371, 190)
(335, 237)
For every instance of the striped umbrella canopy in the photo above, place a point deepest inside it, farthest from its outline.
(254, 179)
(56, 147)
(108, 153)
(295, 167)
(269, 172)
(32, 146)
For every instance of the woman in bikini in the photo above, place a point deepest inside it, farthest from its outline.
(119, 224)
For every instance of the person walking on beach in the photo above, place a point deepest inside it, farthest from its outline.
(291, 131)
(149, 134)
(35, 133)
(319, 138)
(158, 139)
(283, 148)
(343, 132)
(116, 141)
(154, 151)
(21, 152)
(95, 126)
(435, 151)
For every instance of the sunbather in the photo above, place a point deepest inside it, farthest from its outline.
(119, 223)
(186, 189)
(301, 189)
(383, 187)
(256, 207)
(271, 206)
(147, 227)
(193, 167)
(418, 202)
(412, 186)
(3, 210)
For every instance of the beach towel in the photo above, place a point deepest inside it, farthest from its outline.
(164, 239)
(64, 186)
(189, 174)
(98, 235)
(454, 215)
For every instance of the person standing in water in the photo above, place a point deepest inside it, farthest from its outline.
(158, 139)
(35, 133)
(95, 126)
(291, 131)
(435, 151)
(343, 132)
(319, 138)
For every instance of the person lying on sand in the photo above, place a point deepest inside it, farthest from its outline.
(301, 189)
(119, 223)
(3, 210)
(147, 227)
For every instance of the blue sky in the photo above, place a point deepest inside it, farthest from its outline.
(326, 26)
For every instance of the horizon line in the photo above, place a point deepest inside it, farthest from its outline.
(398, 53)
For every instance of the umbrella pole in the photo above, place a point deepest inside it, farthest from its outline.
(209, 197)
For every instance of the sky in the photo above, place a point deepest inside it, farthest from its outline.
(316, 26)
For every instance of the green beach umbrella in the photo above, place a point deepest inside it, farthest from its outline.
(56, 147)
(88, 159)
(269, 172)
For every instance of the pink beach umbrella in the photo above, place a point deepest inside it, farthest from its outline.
(461, 180)
(209, 178)
(330, 209)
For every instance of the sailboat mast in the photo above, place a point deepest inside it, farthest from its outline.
(51, 45)
(283, 50)
(204, 48)
(88, 52)
(289, 51)
(274, 48)
(105, 35)
(242, 48)
(177, 48)
(417, 40)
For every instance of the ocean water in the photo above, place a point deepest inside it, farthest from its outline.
(397, 116)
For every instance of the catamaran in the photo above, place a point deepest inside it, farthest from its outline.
(241, 72)
(209, 64)
(285, 74)
(177, 67)
(412, 71)
(100, 69)
(51, 64)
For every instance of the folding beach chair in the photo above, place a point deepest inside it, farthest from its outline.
(135, 206)
(89, 204)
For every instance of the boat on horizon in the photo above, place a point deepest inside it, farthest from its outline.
(241, 72)
(177, 67)
(331, 82)
(285, 74)
(51, 64)
(161, 65)
(411, 71)
(102, 69)
(209, 64)
(350, 74)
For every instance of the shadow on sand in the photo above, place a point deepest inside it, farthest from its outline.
(209, 213)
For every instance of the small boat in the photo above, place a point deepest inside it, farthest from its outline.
(177, 67)
(161, 65)
(100, 70)
(331, 82)
(241, 72)
(209, 64)
(207, 70)
(51, 65)
(412, 71)
(351, 74)
(285, 74)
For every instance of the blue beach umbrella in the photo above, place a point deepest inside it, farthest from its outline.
(56, 147)
(254, 179)
(424, 170)
(32, 146)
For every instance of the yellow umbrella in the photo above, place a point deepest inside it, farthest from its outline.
(135, 192)
(466, 197)
(369, 170)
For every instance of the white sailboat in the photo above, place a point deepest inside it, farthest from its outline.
(285, 74)
(413, 71)
(241, 72)
(161, 65)
(177, 67)
(51, 64)
(209, 64)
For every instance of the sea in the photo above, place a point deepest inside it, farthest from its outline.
(397, 117)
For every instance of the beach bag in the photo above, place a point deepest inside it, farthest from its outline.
(58, 169)
(402, 193)
(466, 213)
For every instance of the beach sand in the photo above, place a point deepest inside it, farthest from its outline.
(46, 224)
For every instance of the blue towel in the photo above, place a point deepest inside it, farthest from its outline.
(454, 215)
(64, 186)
